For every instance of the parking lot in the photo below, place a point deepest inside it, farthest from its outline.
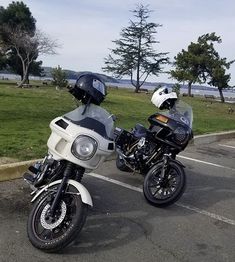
(122, 226)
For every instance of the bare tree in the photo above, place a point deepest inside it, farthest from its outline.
(28, 47)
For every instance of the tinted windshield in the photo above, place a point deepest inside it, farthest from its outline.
(95, 118)
(181, 112)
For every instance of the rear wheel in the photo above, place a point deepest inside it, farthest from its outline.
(51, 233)
(162, 192)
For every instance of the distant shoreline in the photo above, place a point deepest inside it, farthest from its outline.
(196, 90)
(229, 94)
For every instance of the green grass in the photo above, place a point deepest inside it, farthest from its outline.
(25, 115)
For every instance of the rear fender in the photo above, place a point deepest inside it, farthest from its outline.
(82, 191)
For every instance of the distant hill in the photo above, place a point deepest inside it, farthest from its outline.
(104, 77)
(73, 75)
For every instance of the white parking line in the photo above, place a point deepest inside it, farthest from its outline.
(212, 215)
(138, 189)
(205, 162)
(191, 208)
(227, 146)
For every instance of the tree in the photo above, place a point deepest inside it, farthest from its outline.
(36, 69)
(201, 63)
(191, 65)
(2, 59)
(220, 79)
(59, 77)
(185, 67)
(134, 52)
(215, 66)
(17, 14)
(15, 65)
(176, 88)
(28, 47)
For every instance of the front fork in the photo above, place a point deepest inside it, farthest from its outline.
(166, 157)
(61, 189)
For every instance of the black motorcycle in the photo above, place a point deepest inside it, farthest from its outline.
(152, 152)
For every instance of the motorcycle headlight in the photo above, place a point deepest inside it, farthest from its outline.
(84, 147)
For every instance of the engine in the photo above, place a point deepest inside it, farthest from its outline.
(136, 149)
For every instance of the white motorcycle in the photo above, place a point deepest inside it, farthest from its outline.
(79, 142)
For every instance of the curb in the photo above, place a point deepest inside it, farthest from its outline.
(210, 138)
(15, 170)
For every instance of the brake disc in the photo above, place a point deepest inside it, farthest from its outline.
(45, 222)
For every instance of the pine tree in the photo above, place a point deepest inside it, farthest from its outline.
(134, 54)
(201, 63)
(59, 77)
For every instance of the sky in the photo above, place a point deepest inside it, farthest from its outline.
(85, 28)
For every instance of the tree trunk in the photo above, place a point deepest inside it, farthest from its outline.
(22, 77)
(24, 81)
(137, 87)
(138, 68)
(27, 78)
(25, 75)
(221, 95)
(190, 88)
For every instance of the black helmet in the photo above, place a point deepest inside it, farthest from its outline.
(89, 88)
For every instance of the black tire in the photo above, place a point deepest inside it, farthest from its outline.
(42, 229)
(120, 163)
(162, 194)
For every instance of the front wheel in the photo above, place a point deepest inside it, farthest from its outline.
(51, 233)
(162, 192)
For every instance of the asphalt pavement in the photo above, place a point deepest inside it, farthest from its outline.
(122, 226)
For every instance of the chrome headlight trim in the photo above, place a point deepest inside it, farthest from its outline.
(84, 147)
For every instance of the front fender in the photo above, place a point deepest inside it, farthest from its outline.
(177, 162)
(85, 195)
(172, 160)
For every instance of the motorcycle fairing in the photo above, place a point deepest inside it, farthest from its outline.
(61, 140)
(93, 117)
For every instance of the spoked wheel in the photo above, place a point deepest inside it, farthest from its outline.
(53, 232)
(162, 192)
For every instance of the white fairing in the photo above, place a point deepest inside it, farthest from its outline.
(85, 195)
(96, 123)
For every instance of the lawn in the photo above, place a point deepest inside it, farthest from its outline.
(25, 115)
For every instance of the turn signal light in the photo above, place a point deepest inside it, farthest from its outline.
(162, 118)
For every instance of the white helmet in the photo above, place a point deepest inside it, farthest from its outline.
(161, 95)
